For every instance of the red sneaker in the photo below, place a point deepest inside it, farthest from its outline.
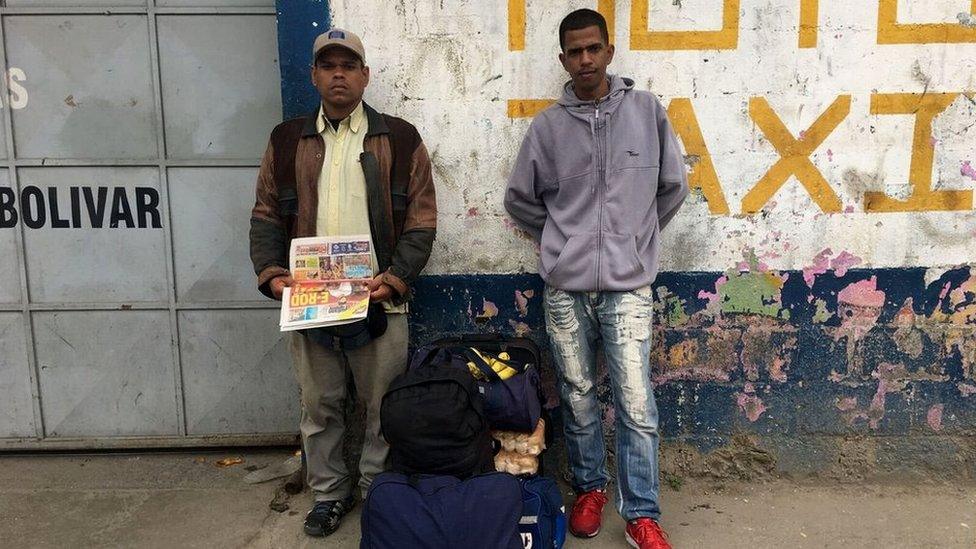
(645, 533)
(584, 520)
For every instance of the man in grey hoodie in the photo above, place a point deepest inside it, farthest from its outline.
(599, 175)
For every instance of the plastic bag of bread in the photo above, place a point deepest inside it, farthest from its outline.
(531, 444)
(515, 463)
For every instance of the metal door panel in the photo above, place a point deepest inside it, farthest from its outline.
(90, 86)
(95, 265)
(211, 211)
(237, 373)
(9, 262)
(216, 104)
(106, 373)
(16, 407)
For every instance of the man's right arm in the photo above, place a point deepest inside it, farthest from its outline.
(521, 201)
(268, 236)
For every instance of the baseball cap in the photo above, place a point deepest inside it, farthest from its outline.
(339, 37)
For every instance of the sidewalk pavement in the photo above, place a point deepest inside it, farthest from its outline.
(186, 500)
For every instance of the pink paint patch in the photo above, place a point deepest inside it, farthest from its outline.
(849, 210)
(489, 310)
(844, 261)
(819, 267)
(521, 329)
(776, 370)
(934, 417)
(968, 170)
(966, 390)
(749, 388)
(752, 406)
(744, 267)
(945, 290)
(472, 212)
(712, 298)
(863, 294)
(830, 155)
(847, 404)
(521, 303)
(905, 315)
(877, 410)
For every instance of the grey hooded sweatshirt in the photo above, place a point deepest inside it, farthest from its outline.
(594, 183)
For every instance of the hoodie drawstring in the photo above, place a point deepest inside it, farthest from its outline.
(595, 145)
(606, 180)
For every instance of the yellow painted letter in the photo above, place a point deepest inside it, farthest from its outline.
(925, 107)
(795, 155)
(702, 176)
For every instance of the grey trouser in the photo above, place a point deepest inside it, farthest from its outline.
(321, 374)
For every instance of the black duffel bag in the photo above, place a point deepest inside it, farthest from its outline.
(432, 417)
(513, 404)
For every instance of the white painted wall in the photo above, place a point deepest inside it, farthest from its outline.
(445, 66)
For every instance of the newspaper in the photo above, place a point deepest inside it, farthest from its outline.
(330, 282)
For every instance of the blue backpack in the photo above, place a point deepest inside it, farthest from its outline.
(543, 522)
(442, 512)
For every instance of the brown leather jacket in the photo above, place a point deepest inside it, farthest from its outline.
(399, 188)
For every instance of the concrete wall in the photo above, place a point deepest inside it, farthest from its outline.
(817, 306)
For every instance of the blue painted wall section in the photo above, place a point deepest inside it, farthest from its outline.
(787, 376)
(299, 22)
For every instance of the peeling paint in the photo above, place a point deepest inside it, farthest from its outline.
(888, 382)
(522, 302)
(844, 261)
(819, 267)
(755, 293)
(864, 293)
(751, 405)
(934, 417)
(822, 262)
(521, 329)
(822, 314)
(968, 170)
(751, 289)
(669, 307)
(488, 311)
(934, 273)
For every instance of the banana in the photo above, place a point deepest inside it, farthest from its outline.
(503, 370)
(476, 372)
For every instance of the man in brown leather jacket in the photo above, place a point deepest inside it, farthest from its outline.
(343, 170)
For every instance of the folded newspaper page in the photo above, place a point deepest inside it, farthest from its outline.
(330, 282)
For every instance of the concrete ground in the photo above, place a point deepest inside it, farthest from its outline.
(185, 500)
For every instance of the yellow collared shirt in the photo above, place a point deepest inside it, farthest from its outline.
(343, 207)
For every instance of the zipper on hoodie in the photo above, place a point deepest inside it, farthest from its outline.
(600, 146)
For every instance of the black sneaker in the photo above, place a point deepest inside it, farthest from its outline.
(325, 516)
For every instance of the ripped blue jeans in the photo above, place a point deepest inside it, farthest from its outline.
(576, 322)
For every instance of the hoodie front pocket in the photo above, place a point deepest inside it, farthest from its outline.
(621, 259)
(575, 260)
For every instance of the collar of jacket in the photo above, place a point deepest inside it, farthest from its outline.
(375, 121)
